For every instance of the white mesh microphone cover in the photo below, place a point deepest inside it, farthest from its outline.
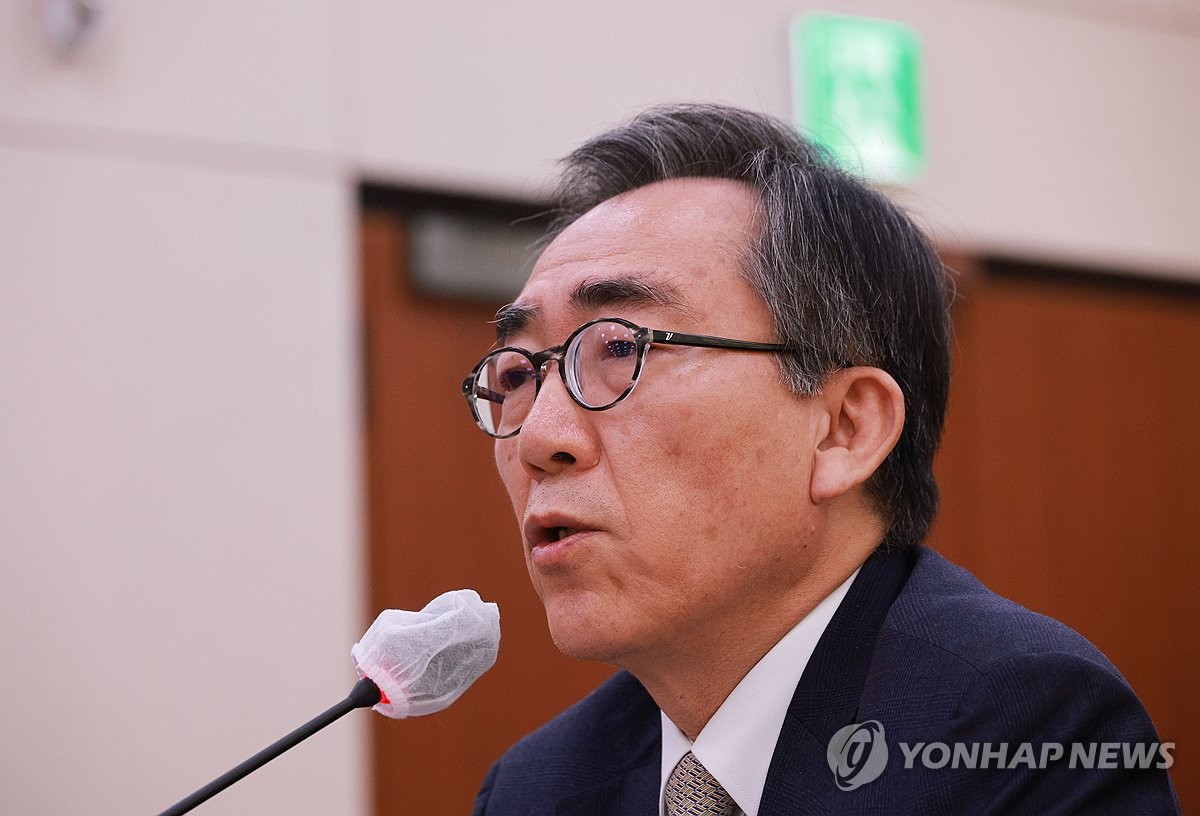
(422, 661)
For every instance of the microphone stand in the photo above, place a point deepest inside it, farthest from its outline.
(364, 695)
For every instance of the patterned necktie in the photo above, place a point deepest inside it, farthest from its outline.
(692, 791)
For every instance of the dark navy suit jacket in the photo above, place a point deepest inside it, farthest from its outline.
(918, 645)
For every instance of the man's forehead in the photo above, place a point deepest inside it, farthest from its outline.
(656, 245)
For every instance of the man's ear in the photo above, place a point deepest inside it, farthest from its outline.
(865, 415)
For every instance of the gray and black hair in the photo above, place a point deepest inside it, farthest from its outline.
(848, 277)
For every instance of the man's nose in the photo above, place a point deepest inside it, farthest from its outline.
(558, 433)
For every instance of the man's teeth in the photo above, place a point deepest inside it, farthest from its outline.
(562, 532)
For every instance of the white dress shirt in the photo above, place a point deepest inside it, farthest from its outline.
(736, 745)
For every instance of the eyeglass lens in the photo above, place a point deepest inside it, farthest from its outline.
(600, 363)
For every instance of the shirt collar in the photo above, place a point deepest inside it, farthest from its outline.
(737, 744)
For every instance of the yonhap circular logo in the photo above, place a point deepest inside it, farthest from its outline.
(857, 754)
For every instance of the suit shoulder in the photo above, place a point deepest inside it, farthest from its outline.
(946, 608)
(953, 652)
(958, 665)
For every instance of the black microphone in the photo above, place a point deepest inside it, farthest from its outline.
(411, 663)
(364, 695)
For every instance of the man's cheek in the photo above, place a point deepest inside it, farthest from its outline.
(516, 483)
(505, 453)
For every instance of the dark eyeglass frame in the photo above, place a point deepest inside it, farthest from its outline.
(644, 339)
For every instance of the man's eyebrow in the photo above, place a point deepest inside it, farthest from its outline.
(591, 295)
(511, 319)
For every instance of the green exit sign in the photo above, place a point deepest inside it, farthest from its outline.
(857, 90)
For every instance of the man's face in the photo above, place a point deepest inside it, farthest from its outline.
(686, 506)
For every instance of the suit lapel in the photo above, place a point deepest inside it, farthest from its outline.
(827, 696)
(632, 734)
(633, 793)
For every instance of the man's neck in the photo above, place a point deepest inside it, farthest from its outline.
(689, 682)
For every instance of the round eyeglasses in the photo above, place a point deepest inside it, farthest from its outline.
(600, 363)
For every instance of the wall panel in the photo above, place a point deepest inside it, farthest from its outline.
(179, 569)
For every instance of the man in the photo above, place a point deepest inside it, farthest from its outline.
(716, 405)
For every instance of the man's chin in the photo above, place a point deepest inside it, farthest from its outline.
(585, 640)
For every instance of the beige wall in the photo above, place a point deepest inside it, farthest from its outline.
(180, 576)
(179, 454)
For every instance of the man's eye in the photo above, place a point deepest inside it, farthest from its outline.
(513, 378)
(620, 348)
